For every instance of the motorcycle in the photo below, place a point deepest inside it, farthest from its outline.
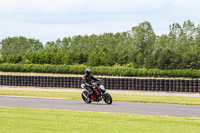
(98, 94)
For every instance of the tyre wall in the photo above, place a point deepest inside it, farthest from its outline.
(176, 85)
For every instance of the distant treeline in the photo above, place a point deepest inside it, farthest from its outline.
(139, 47)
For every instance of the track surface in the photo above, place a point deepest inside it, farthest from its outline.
(116, 107)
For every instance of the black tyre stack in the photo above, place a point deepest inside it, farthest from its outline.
(23, 80)
(153, 85)
(121, 83)
(59, 81)
(186, 86)
(73, 82)
(79, 82)
(149, 84)
(166, 85)
(190, 86)
(1, 79)
(65, 82)
(178, 84)
(141, 81)
(50, 82)
(56, 82)
(13, 80)
(157, 84)
(161, 85)
(182, 85)
(171, 85)
(116, 83)
(145, 84)
(28, 78)
(133, 84)
(137, 84)
(106, 83)
(198, 85)
(195, 85)
(4, 79)
(113, 83)
(10, 80)
(110, 83)
(175, 85)
(41, 81)
(69, 81)
(125, 86)
(129, 83)
(47, 81)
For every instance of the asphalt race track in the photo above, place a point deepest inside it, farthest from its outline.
(116, 107)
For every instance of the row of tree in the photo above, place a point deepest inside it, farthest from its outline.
(138, 47)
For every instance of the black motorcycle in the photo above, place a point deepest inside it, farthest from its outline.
(98, 94)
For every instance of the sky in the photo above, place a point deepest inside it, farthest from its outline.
(48, 20)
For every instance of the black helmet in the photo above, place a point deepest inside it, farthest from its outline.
(88, 71)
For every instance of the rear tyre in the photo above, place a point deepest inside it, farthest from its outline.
(107, 98)
(85, 98)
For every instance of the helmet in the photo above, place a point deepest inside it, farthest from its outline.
(88, 71)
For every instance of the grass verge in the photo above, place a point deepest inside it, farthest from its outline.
(116, 97)
(39, 74)
(78, 75)
(21, 120)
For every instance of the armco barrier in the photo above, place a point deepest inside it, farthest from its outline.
(176, 85)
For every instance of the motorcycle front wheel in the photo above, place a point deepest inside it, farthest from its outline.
(84, 97)
(107, 98)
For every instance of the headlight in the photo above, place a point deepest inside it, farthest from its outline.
(102, 87)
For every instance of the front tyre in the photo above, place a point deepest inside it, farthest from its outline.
(107, 98)
(85, 98)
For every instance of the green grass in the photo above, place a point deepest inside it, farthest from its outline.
(20, 120)
(116, 97)
(39, 74)
(76, 75)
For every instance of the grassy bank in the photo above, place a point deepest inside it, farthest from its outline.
(116, 97)
(40, 74)
(78, 75)
(22, 120)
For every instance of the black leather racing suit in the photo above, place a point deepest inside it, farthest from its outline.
(87, 80)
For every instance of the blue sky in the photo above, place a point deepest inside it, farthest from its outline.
(48, 20)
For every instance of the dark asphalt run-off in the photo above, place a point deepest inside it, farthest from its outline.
(116, 107)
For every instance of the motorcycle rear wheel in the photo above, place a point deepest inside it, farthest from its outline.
(107, 98)
(84, 95)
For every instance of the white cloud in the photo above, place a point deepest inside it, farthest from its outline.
(60, 6)
(187, 4)
(101, 6)
(52, 32)
(50, 19)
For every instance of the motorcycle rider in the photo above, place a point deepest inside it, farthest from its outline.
(87, 80)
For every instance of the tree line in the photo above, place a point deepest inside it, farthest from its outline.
(139, 47)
